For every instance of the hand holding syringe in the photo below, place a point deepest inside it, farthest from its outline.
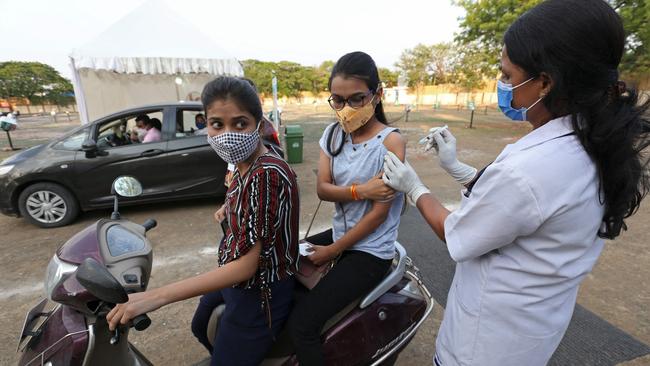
(429, 141)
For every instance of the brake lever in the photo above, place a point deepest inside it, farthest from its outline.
(115, 339)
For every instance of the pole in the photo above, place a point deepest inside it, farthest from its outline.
(11, 145)
(471, 119)
(276, 119)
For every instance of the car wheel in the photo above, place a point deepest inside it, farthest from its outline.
(48, 205)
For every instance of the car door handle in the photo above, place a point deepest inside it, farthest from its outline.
(153, 152)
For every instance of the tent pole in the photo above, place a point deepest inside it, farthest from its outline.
(79, 95)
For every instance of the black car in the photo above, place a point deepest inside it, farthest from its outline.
(51, 183)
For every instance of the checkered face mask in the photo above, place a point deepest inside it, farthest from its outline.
(234, 147)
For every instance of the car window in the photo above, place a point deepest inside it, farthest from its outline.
(186, 123)
(123, 131)
(72, 142)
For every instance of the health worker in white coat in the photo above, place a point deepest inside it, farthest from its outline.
(532, 224)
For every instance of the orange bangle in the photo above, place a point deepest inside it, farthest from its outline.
(353, 191)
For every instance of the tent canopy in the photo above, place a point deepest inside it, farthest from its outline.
(137, 59)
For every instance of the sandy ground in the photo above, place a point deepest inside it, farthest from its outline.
(184, 243)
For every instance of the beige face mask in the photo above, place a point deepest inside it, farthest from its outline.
(353, 119)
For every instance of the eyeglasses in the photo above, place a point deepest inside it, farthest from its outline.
(355, 101)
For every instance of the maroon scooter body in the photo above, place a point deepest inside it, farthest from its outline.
(362, 336)
(65, 331)
(66, 324)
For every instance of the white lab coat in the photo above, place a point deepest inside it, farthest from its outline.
(523, 241)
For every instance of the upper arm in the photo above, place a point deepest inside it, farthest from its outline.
(396, 144)
(501, 208)
(267, 200)
(324, 168)
(248, 263)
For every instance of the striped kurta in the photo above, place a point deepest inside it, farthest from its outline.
(263, 206)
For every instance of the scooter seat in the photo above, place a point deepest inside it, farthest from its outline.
(283, 346)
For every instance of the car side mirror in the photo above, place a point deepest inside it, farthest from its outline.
(90, 148)
(89, 145)
(100, 282)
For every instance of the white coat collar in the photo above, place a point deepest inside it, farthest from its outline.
(550, 130)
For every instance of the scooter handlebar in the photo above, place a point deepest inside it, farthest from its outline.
(149, 224)
(141, 322)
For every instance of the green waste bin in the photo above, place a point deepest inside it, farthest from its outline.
(293, 139)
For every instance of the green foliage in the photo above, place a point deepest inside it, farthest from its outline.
(636, 20)
(388, 76)
(293, 78)
(483, 27)
(485, 22)
(470, 68)
(35, 81)
(417, 64)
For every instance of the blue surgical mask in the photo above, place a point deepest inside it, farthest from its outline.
(504, 96)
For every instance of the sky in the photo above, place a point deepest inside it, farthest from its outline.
(307, 32)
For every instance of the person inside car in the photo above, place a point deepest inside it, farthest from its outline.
(153, 127)
(138, 134)
(199, 121)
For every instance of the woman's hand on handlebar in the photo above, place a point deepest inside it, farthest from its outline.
(139, 303)
(375, 190)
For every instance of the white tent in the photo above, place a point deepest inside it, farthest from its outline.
(149, 56)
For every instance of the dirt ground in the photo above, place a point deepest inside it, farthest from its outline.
(617, 290)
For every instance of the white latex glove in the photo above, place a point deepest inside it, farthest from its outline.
(401, 177)
(429, 141)
(445, 145)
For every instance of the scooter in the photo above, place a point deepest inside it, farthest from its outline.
(99, 266)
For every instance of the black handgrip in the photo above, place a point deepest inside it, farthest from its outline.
(149, 224)
(141, 322)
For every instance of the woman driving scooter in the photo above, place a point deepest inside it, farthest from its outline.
(531, 225)
(364, 231)
(258, 254)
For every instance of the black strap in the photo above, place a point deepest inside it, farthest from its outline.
(471, 184)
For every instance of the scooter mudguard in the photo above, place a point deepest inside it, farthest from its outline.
(63, 340)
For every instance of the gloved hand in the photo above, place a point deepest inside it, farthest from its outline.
(401, 177)
(445, 145)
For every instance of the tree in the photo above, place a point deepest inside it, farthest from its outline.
(388, 76)
(486, 21)
(636, 20)
(483, 26)
(261, 73)
(33, 80)
(416, 64)
(322, 77)
(469, 68)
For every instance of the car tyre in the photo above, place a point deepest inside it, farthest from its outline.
(48, 205)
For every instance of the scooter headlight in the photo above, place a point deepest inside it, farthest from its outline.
(57, 272)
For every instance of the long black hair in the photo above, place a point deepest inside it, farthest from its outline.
(357, 65)
(242, 91)
(579, 45)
